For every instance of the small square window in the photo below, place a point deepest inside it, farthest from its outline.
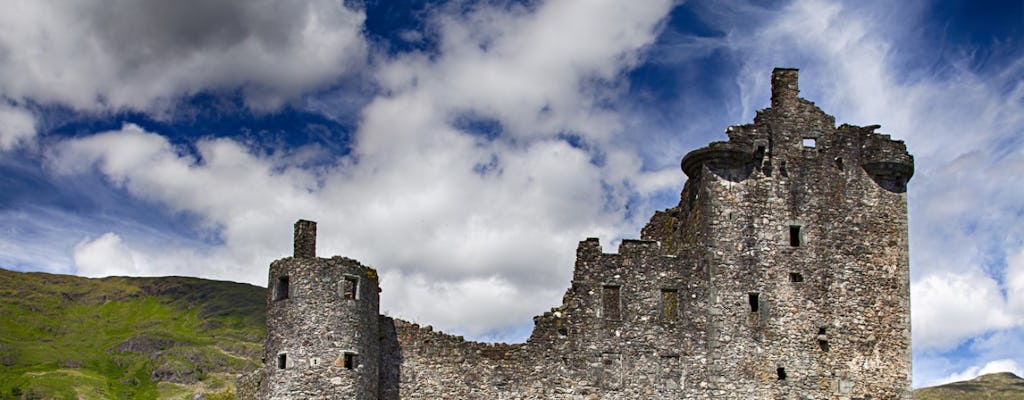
(755, 301)
(810, 142)
(796, 277)
(351, 361)
(281, 290)
(282, 361)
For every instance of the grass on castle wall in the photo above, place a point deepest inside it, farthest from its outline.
(125, 338)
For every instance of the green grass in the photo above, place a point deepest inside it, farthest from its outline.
(67, 337)
(999, 386)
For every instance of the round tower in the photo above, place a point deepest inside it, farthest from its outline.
(322, 326)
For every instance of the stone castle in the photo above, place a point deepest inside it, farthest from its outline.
(782, 274)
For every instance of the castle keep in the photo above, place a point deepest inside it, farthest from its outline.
(781, 274)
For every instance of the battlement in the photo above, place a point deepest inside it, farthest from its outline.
(781, 273)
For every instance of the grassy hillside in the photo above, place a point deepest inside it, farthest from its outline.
(1001, 386)
(125, 338)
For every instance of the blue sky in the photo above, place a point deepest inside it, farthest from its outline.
(464, 147)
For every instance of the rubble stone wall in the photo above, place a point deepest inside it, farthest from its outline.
(781, 274)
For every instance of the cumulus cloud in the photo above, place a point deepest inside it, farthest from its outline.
(104, 256)
(99, 54)
(949, 307)
(486, 226)
(991, 367)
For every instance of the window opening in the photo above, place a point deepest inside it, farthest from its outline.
(794, 235)
(350, 361)
(782, 168)
(822, 340)
(669, 304)
(839, 163)
(796, 277)
(281, 291)
(810, 142)
(610, 301)
(282, 361)
(350, 288)
(755, 301)
(781, 373)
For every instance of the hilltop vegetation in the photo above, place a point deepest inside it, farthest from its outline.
(125, 338)
(1000, 386)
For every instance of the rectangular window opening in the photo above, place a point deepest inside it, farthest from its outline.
(350, 288)
(282, 361)
(781, 373)
(810, 142)
(796, 277)
(822, 340)
(611, 303)
(755, 301)
(669, 304)
(350, 361)
(794, 235)
(281, 289)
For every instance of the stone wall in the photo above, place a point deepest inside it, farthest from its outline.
(782, 274)
(323, 326)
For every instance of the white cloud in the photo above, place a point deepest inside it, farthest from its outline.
(116, 54)
(991, 367)
(1015, 283)
(444, 214)
(104, 256)
(16, 126)
(949, 307)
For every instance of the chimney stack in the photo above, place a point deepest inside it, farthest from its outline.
(785, 85)
(305, 239)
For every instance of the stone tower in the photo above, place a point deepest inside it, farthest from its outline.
(322, 326)
(781, 274)
(802, 228)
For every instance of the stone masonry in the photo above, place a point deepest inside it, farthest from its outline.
(782, 274)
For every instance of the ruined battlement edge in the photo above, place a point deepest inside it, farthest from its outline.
(781, 274)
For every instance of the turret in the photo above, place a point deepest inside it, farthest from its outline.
(322, 325)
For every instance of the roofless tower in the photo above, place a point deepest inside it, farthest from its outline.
(781, 274)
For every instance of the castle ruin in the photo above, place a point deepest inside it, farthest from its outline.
(781, 274)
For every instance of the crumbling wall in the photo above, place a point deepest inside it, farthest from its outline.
(782, 273)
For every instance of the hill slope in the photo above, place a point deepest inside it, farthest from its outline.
(125, 338)
(1001, 386)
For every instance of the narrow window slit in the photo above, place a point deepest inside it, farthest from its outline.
(794, 236)
(669, 304)
(781, 373)
(754, 300)
(822, 340)
(611, 303)
(350, 288)
(282, 361)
